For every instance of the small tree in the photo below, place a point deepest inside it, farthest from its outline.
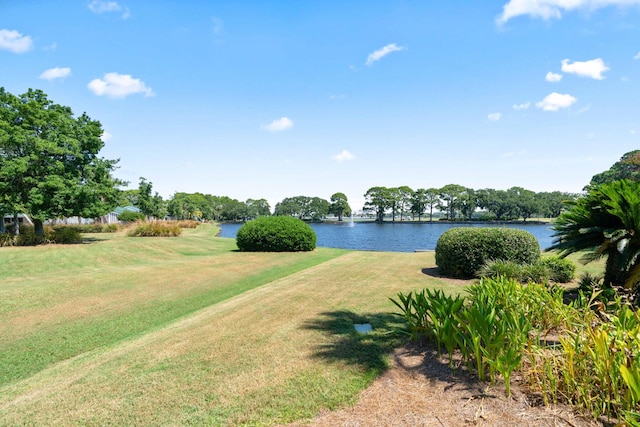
(339, 205)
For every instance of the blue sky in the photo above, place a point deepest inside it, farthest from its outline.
(274, 99)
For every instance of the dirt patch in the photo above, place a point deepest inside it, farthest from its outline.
(421, 390)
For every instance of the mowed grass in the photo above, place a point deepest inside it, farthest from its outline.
(189, 331)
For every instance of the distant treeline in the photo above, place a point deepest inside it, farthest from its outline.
(451, 202)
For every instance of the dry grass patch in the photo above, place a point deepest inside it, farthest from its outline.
(277, 353)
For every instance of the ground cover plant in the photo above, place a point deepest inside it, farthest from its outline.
(191, 331)
(503, 326)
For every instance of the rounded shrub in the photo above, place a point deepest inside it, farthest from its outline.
(461, 252)
(276, 234)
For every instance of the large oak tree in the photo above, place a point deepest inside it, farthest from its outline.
(49, 163)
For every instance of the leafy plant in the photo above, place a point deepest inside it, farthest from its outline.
(605, 223)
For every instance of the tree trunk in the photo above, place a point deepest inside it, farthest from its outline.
(615, 273)
(16, 225)
(38, 227)
(2, 229)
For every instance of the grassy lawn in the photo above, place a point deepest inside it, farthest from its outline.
(189, 331)
(179, 331)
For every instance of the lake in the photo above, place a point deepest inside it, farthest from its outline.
(395, 237)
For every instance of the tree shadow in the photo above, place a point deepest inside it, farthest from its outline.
(370, 350)
(388, 339)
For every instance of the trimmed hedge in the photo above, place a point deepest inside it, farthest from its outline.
(461, 252)
(276, 234)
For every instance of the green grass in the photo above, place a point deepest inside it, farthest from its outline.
(189, 331)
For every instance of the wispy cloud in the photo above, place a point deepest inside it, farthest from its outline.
(15, 42)
(593, 68)
(555, 101)
(553, 77)
(116, 85)
(283, 123)
(515, 154)
(55, 73)
(637, 56)
(343, 156)
(523, 106)
(382, 52)
(553, 9)
(217, 25)
(494, 117)
(103, 6)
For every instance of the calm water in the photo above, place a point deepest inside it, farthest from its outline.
(395, 237)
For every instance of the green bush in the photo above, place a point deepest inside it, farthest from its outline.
(561, 270)
(501, 268)
(461, 252)
(65, 235)
(535, 273)
(27, 236)
(130, 216)
(554, 268)
(276, 234)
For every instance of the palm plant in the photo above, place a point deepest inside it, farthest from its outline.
(604, 223)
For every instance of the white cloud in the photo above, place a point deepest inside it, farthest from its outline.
(637, 56)
(102, 6)
(553, 77)
(553, 9)
(106, 136)
(524, 106)
(343, 156)
(381, 53)
(218, 25)
(555, 101)
(116, 85)
(283, 123)
(15, 42)
(593, 68)
(494, 117)
(55, 73)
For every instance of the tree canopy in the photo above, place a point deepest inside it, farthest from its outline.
(628, 167)
(49, 163)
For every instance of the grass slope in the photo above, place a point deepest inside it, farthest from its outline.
(188, 331)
